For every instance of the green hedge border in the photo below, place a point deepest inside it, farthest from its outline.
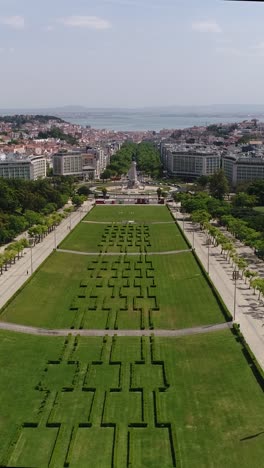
(249, 355)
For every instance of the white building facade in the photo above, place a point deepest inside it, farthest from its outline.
(241, 167)
(17, 166)
(191, 160)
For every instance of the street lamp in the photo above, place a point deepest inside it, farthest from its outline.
(55, 238)
(235, 278)
(208, 256)
(31, 255)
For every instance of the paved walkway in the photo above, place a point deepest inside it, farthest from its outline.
(64, 332)
(249, 312)
(116, 254)
(17, 274)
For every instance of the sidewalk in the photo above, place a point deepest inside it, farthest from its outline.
(17, 274)
(249, 312)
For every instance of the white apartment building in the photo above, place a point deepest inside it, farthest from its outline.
(243, 167)
(191, 160)
(17, 166)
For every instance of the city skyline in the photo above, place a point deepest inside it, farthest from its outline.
(130, 54)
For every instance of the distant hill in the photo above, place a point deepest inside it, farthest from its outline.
(245, 110)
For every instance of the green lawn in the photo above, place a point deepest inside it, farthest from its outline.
(118, 238)
(139, 402)
(260, 209)
(78, 291)
(140, 214)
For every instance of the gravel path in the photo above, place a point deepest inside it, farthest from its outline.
(64, 332)
(116, 254)
(128, 222)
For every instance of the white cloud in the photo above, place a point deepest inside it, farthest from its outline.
(16, 22)
(90, 22)
(206, 27)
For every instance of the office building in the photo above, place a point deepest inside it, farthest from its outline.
(191, 161)
(17, 166)
(243, 167)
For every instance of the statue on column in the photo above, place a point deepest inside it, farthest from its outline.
(132, 176)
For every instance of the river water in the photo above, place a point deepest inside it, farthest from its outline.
(133, 121)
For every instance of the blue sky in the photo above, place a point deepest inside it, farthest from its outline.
(130, 53)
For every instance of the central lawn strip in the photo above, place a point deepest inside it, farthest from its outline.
(71, 290)
(154, 402)
(110, 238)
(85, 238)
(45, 300)
(141, 214)
(183, 296)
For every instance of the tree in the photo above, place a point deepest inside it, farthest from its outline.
(159, 192)
(203, 181)
(104, 191)
(243, 199)
(218, 185)
(201, 217)
(106, 174)
(77, 200)
(2, 262)
(84, 190)
(249, 274)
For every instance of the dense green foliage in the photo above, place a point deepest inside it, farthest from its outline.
(23, 203)
(218, 184)
(221, 131)
(145, 154)
(57, 133)
(239, 215)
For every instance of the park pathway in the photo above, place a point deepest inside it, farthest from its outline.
(14, 327)
(116, 254)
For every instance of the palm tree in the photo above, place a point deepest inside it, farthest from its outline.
(2, 262)
(242, 265)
